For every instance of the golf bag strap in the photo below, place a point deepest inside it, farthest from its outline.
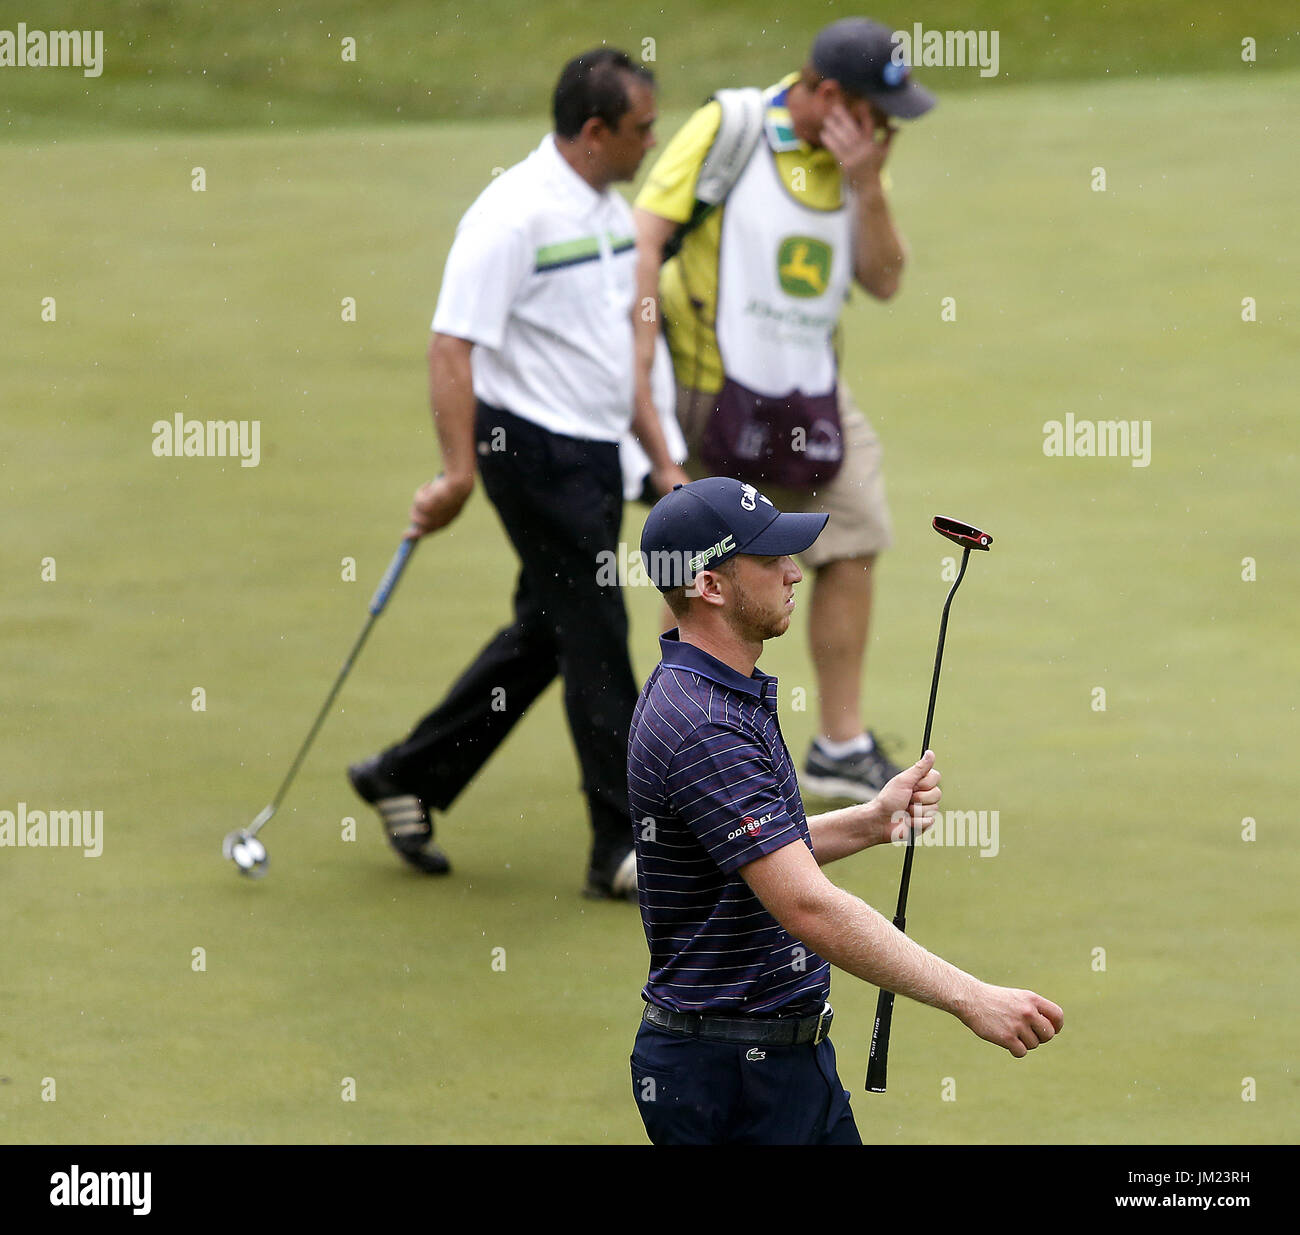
(738, 133)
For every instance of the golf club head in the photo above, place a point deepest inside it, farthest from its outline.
(962, 533)
(246, 852)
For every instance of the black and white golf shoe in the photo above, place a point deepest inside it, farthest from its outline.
(616, 882)
(406, 820)
(854, 778)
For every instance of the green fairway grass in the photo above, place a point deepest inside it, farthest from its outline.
(496, 1005)
(183, 65)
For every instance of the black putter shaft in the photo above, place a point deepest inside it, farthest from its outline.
(901, 909)
(878, 1059)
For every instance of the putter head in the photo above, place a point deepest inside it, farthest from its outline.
(246, 852)
(962, 533)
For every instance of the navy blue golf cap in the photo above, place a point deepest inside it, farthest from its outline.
(702, 524)
(862, 56)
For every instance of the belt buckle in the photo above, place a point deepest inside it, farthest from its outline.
(823, 1024)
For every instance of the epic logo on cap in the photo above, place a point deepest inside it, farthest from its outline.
(702, 559)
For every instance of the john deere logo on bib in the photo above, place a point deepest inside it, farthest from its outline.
(803, 265)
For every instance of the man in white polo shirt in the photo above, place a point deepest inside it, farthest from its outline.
(532, 372)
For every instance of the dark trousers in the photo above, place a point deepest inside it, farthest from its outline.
(692, 1092)
(560, 500)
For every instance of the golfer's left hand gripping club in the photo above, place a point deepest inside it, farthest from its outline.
(242, 846)
(969, 538)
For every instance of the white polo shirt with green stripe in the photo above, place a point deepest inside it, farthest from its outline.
(541, 277)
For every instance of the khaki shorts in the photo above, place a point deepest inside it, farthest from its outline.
(859, 524)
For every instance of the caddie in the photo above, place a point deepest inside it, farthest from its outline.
(768, 206)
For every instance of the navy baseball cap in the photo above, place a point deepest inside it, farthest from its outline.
(860, 55)
(709, 521)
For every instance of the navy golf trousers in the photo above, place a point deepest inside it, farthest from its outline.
(692, 1092)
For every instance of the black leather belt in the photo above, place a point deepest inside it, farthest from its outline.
(762, 1031)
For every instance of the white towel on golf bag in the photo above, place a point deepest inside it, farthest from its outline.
(636, 466)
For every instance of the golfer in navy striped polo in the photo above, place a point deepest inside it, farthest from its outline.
(741, 922)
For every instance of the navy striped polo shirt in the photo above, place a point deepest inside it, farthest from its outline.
(711, 787)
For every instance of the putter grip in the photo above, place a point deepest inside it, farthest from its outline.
(878, 1059)
(391, 576)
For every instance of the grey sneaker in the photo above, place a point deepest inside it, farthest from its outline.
(856, 778)
(406, 820)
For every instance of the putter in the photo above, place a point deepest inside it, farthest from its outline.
(242, 846)
(969, 538)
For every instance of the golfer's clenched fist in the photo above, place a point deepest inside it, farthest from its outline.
(1016, 1020)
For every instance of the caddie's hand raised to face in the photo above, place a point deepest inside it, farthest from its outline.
(860, 140)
